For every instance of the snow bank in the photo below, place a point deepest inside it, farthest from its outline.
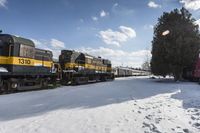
(125, 105)
(2, 69)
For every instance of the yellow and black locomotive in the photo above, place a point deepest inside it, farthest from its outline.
(81, 68)
(23, 66)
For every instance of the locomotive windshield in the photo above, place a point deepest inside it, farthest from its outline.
(66, 55)
(27, 51)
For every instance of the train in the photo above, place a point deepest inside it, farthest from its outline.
(122, 72)
(127, 71)
(25, 67)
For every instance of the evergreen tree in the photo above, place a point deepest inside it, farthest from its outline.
(175, 44)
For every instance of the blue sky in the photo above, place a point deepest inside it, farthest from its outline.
(120, 30)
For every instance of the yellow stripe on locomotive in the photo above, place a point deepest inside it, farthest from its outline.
(24, 61)
(87, 66)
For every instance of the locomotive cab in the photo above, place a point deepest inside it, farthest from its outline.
(2, 47)
(6, 51)
(15, 51)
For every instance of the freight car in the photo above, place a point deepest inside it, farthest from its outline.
(24, 67)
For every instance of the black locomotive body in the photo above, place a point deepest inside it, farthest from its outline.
(22, 66)
(81, 68)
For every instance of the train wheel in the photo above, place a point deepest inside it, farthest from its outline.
(1, 86)
(6, 88)
(44, 84)
(74, 81)
(77, 81)
(3, 89)
(103, 79)
(10, 86)
(54, 83)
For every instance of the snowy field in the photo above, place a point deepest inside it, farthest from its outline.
(126, 105)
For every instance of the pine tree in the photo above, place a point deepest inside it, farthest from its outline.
(175, 44)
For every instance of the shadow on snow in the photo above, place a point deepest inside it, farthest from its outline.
(28, 104)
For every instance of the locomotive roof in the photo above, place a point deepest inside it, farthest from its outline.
(86, 55)
(20, 40)
(43, 50)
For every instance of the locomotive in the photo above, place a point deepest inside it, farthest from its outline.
(78, 68)
(24, 67)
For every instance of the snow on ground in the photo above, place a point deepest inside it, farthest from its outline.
(126, 105)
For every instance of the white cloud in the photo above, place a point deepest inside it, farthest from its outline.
(121, 10)
(37, 43)
(56, 44)
(148, 26)
(152, 4)
(119, 57)
(128, 31)
(117, 37)
(191, 4)
(94, 18)
(116, 4)
(197, 22)
(53, 45)
(103, 14)
(3, 3)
